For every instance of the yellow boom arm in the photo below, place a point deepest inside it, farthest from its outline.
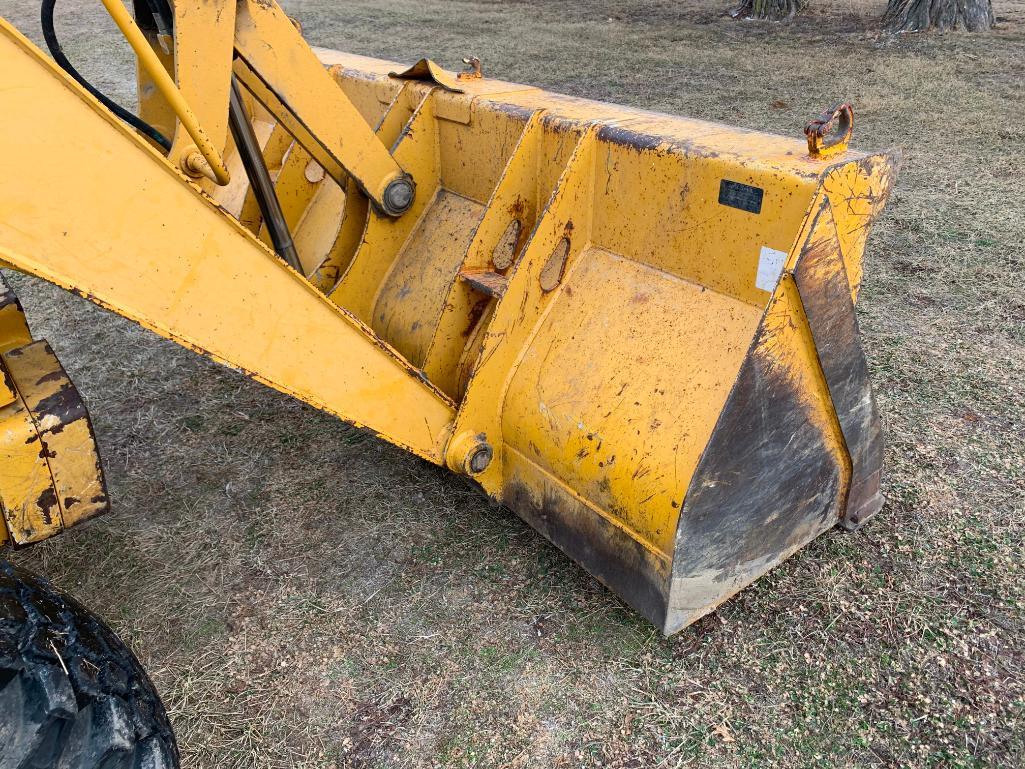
(127, 233)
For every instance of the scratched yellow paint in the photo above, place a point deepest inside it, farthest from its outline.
(857, 193)
(570, 297)
(625, 429)
(203, 46)
(62, 427)
(525, 186)
(27, 496)
(50, 474)
(176, 263)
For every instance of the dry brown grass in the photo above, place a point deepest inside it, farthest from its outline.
(308, 597)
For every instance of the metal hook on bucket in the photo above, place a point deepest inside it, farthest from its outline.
(831, 131)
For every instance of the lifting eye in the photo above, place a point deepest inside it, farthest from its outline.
(831, 131)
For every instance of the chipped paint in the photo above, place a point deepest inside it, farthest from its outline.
(52, 477)
(673, 419)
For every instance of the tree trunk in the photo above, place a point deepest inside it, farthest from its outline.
(921, 15)
(773, 10)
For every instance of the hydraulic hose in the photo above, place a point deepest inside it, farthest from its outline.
(50, 35)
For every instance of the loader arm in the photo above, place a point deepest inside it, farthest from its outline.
(636, 331)
(130, 234)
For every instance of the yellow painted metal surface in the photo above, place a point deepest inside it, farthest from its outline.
(786, 341)
(626, 429)
(510, 328)
(635, 330)
(14, 331)
(412, 296)
(285, 75)
(417, 150)
(175, 263)
(50, 474)
(208, 153)
(524, 187)
(390, 117)
(203, 47)
(276, 142)
(153, 107)
(295, 184)
(857, 193)
(26, 486)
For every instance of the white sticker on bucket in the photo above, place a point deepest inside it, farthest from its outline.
(770, 265)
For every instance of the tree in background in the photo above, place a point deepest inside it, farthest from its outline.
(920, 15)
(775, 10)
(900, 16)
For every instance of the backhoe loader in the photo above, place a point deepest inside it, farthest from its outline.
(636, 331)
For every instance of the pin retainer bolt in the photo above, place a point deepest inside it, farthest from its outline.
(398, 196)
(480, 459)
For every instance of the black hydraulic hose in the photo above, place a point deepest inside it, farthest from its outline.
(58, 56)
(259, 178)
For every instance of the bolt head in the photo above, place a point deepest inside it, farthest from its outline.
(480, 459)
(398, 196)
(192, 162)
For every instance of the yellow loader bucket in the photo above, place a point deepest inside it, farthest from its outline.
(647, 321)
(636, 331)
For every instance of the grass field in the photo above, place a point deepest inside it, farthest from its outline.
(306, 596)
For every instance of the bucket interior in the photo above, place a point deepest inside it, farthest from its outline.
(648, 303)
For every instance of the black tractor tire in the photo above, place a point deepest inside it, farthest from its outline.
(72, 695)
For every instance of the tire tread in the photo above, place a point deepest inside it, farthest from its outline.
(72, 695)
